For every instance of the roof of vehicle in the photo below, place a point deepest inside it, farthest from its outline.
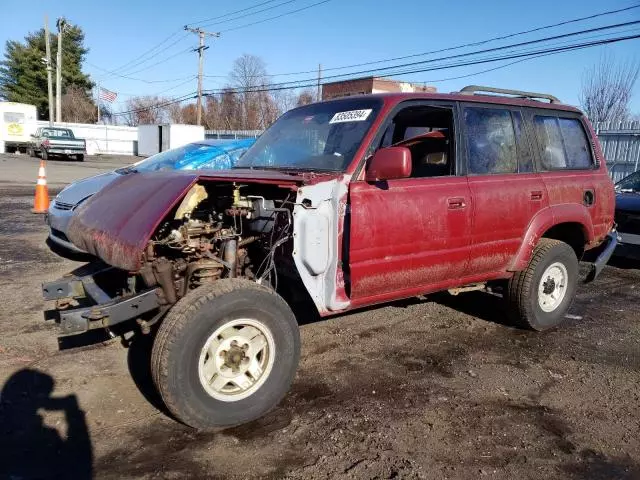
(392, 98)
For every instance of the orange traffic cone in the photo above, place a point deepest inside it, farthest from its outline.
(41, 200)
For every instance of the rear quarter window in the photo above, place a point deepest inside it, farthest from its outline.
(563, 144)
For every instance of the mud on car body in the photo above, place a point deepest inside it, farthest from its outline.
(338, 205)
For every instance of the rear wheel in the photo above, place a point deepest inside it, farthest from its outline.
(225, 354)
(540, 296)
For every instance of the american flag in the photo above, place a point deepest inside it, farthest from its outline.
(107, 95)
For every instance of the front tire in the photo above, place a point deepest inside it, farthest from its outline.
(80, 158)
(539, 297)
(225, 354)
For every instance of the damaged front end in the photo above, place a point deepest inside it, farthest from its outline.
(158, 237)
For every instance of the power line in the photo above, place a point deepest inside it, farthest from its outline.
(158, 45)
(272, 7)
(311, 82)
(466, 54)
(456, 47)
(168, 80)
(520, 56)
(277, 16)
(231, 13)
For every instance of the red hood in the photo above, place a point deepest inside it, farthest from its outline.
(116, 223)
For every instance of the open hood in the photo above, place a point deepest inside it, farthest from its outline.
(116, 223)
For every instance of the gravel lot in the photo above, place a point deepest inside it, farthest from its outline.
(437, 387)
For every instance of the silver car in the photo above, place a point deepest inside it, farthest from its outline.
(203, 155)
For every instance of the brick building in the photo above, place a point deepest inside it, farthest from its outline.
(366, 85)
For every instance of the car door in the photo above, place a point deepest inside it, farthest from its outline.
(409, 235)
(506, 190)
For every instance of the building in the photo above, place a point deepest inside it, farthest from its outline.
(360, 86)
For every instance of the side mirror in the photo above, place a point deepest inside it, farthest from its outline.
(388, 164)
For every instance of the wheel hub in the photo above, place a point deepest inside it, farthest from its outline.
(236, 360)
(549, 286)
(552, 287)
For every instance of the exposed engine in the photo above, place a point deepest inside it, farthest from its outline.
(235, 232)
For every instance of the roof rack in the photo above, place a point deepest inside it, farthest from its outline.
(473, 89)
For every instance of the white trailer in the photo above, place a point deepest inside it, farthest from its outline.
(18, 121)
(153, 139)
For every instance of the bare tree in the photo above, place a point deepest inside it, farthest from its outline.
(305, 97)
(146, 110)
(249, 76)
(607, 88)
(77, 106)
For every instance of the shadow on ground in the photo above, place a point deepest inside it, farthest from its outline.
(32, 449)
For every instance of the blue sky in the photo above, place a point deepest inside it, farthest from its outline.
(336, 33)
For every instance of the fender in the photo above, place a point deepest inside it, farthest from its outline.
(543, 221)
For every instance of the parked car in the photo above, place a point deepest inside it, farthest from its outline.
(628, 216)
(206, 154)
(61, 142)
(346, 203)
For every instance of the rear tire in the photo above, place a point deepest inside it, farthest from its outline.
(225, 354)
(539, 297)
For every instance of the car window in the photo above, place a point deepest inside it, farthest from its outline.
(563, 143)
(491, 140)
(576, 145)
(630, 183)
(426, 130)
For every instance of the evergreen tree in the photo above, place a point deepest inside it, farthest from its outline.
(23, 73)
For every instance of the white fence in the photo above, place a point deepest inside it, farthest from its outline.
(104, 139)
(621, 146)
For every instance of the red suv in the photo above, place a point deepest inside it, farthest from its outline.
(344, 204)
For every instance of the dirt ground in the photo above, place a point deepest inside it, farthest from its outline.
(434, 388)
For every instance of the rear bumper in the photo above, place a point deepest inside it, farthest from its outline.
(66, 151)
(98, 308)
(610, 244)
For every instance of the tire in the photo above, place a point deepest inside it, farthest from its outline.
(179, 357)
(541, 303)
(43, 154)
(31, 152)
(80, 158)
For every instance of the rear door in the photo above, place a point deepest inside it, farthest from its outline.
(567, 164)
(506, 191)
(411, 235)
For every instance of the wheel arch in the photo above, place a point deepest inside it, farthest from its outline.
(570, 223)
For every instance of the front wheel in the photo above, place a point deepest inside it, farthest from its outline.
(540, 296)
(225, 354)
(80, 158)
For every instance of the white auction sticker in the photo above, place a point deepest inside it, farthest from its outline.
(351, 116)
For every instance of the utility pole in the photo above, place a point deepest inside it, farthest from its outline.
(61, 24)
(201, 48)
(47, 61)
(319, 94)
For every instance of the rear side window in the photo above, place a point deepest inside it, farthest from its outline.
(491, 140)
(563, 143)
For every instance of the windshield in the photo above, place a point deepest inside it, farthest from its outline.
(194, 156)
(630, 183)
(321, 136)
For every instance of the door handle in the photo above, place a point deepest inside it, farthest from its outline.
(456, 203)
(536, 195)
